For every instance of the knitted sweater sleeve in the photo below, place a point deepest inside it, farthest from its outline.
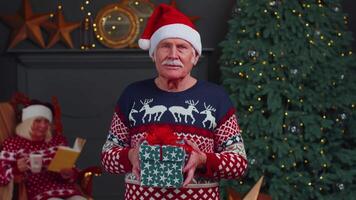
(114, 157)
(8, 164)
(229, 159)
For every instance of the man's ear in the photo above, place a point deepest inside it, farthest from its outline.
(196, 59)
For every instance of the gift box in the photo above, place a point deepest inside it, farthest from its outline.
(162, 158)
(161, 165)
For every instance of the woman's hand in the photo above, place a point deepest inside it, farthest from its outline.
(67, 173)
(22, 164)
(196, 160)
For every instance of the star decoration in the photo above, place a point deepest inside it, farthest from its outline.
(26, 25)
(60, 30)
(173, 3)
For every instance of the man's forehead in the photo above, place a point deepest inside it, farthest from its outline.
(175, 40)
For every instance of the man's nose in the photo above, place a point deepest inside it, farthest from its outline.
(173, 52)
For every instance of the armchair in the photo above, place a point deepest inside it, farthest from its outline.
(9, 112)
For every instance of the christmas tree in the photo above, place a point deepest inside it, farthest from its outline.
(287, 65)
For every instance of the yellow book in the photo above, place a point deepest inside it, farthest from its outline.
(66, 156)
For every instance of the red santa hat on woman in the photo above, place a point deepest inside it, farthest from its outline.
(167, 22)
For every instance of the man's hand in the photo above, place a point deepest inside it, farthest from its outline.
(22, 164)
(134, 159)
(197, 159)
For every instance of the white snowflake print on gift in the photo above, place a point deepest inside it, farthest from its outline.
(209, 117)
(157, 111)
(177, 111)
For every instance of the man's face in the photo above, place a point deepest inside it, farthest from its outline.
(174, 58)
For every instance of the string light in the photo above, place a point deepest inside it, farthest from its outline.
(87, 27)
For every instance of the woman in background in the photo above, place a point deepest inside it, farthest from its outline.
(34, 136)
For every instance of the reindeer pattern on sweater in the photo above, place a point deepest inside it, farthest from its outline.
(203, 114)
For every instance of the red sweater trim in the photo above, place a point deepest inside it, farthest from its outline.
(175, 127)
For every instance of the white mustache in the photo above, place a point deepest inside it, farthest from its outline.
(173, 62)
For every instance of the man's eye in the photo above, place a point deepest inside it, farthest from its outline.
(165, 46)
(182, 47)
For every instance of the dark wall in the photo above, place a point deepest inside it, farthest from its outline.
(212, 25)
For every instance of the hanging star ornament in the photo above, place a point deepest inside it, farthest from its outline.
(25, 25)
(173, 3)
(60, 29)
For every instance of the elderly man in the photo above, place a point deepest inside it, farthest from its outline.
(198, 111)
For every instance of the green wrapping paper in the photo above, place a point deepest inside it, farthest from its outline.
(161, 165)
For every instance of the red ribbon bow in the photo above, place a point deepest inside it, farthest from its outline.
(164, 135)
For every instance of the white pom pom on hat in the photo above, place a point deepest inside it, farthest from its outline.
(144, 44)
(167, 22)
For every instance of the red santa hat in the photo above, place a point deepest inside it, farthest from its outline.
(36, 110)
(167, 22)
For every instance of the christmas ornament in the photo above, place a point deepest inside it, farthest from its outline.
(275, 3)
(237, 10)
(294, 71)
(252, 161)
(342, 77)
(26, 25)
(60, 30)
(343, 116)
(336, 9)
(294, 128)
(340, 186)
(252, 54)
